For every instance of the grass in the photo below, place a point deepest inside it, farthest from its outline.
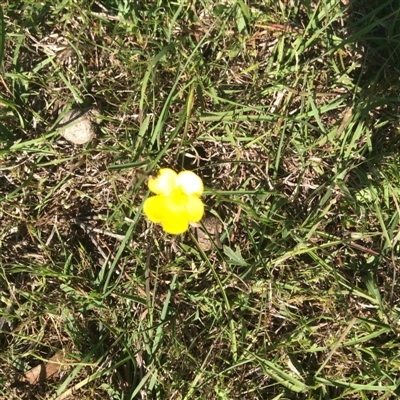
(289, 113)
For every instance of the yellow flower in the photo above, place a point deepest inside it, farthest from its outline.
(177, 201)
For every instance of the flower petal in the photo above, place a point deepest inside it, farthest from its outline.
(190, 183)
(154, 208)
(195, 209)
(175, 219)
(164, 183)
(177, 200)
(175, 226)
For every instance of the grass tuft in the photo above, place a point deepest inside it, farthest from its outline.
(288, 289)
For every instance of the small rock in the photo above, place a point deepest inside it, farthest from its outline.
(214, 228)
(79, 128)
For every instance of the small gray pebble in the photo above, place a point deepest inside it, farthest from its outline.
(80, 129)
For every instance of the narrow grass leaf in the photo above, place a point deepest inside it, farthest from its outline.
(282, 377)
(344, 384)
(2, 39)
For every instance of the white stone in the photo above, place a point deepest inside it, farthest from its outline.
(79, 127)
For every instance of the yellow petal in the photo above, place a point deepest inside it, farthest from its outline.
(154, 208)
(175, 226)
(195, 209)
(190, 183)
(175, 219)
(175, 203)
(164, 183)
(170, 210)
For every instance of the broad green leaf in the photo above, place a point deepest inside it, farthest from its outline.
(235, 257)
